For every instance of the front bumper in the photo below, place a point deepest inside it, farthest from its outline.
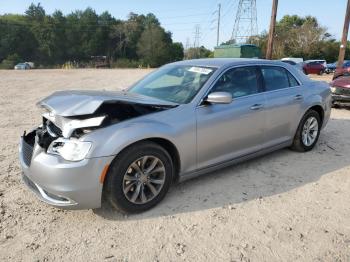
(340, 98)
(61, 183)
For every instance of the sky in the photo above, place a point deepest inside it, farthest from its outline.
(181, 16)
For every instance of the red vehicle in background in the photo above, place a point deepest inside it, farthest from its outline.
(340, 87)
(314, 67)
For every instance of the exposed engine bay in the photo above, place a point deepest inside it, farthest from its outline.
(108, 113)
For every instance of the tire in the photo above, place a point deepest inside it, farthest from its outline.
(320, 73)
(122, 176)
(298, 143)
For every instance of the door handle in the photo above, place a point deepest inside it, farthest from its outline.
(256, 107)
(298, 97)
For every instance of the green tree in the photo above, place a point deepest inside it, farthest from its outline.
(35, 12)
(151, 47)
(56, 39)
(297, 37)
(16, 38)
(176, 52)
(10, 61)
(198, 52)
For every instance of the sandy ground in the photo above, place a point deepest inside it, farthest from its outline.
(285, 206)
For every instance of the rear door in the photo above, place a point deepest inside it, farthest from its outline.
(283, 104)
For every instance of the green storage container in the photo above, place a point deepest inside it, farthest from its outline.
(237, 51)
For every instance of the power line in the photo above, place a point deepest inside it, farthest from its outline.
(173, 10)
(181, 16)
(228, 9)
(207, 21)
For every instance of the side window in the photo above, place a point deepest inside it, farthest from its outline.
(275, 78)
(292, 81)
(241, 81)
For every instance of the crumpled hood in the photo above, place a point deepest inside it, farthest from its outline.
(75, 103)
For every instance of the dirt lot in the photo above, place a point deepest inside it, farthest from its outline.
(285, 206)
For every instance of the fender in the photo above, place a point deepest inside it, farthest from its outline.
(111, 140)
(320, 98)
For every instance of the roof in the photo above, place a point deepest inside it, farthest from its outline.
(234, 46)
(221, 62)
(314, 60)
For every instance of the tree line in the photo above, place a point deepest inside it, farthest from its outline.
(52, 40)
(140, 40)
(301, 37)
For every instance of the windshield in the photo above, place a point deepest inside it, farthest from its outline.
(174, 83)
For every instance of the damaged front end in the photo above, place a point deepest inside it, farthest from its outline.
(54, 156)
(60, 133)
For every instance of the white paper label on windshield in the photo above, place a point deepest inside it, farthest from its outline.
(200, 70)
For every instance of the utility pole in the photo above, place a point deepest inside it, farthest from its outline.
(344, 39)
(218, 30)
(272, 30)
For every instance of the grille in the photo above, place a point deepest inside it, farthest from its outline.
(342, 91)
(27, 151)
(345, 91)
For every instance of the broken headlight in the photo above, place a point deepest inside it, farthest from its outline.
(69, 149)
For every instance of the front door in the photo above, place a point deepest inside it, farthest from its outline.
(228, 131)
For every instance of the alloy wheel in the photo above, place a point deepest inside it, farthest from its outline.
(310, 131)
(144, 179)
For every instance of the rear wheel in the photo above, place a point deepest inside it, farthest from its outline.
(139, 177)
(308, 132)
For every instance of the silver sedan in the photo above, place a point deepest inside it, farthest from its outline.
(183, 120)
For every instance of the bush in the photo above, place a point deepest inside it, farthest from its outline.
(126, 63)
(70, 65)
(10, 61)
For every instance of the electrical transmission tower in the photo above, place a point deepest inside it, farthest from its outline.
(197, 36)
(246, 24)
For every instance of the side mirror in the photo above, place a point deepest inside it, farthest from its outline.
(219, 98)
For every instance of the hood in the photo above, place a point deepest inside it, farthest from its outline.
(76, 103)
(74, 113)
(343, 81)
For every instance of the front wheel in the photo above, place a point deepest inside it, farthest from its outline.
(308, 132)
(139, 177)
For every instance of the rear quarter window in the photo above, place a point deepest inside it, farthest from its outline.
(276, 78)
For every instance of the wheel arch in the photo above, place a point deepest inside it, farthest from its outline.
(164, 143)
(319, 109)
